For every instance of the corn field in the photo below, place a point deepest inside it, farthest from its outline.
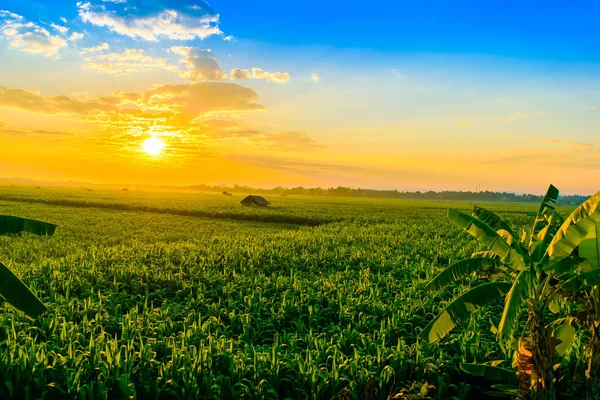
(188, 295)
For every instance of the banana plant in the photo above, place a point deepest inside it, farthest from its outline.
(530, 271)
(12, 290)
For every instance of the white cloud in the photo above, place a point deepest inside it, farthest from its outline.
(201, 64)
(240, 74)
(257, 73)
(315, 77)
(8, 14)
(59, 28)
(95, 49)
(129, 62)
(76, 36)
(517, 116)
(167, 23)
(229, 38)
(29, 37)
(64, 20)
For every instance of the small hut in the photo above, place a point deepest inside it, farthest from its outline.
(255, 201)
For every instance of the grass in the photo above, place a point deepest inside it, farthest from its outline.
(187, 295)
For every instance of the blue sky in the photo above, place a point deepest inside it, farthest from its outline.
(407, 95)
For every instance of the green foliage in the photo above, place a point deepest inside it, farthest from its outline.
(10, 225)
(488, 237)
(463, 269)
(578, 225)
(12, 289)
(461, 309)
(491, 371)
(18, 295)
(516, 301)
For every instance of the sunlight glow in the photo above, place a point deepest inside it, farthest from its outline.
(153, 146)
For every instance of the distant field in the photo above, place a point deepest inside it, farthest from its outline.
(189, 295)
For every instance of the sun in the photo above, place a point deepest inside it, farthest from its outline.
(153, 146)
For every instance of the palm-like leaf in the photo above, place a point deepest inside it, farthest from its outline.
(577, 226)
(18, 295)
(462, 308)
(488, 237)
(521, 290)
(10, 225)
(589, 248)
(583, 280)
(541, 221)
(492, 219)
(491, 372)
(462, 269)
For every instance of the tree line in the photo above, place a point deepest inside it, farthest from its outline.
(342, 191)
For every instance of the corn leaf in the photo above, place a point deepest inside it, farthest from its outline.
(572, 232)
(508, 376)
(10, 225)
(488, 237)
(462, 269)
(462, 308)
(18, 295)
(521, 290)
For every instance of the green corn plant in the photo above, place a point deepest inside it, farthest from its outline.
(531, 272)
(12, 290)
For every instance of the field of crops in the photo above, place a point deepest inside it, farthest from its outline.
(191, 295)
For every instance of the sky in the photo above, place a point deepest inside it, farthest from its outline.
(401, 95)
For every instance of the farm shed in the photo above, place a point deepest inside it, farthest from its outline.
(255, 201)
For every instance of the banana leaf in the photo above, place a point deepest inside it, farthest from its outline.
(492, 219)
(462, 308)
(505, 375)
(541, 221)
(589, 248)
(488, 237)
(521, 290)
(18, 295)
(462, 269)
(583, 280)
(564, 333)
(545, 236)
(573, 231)
(10, 225)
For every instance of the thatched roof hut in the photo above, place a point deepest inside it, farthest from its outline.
(255, 201)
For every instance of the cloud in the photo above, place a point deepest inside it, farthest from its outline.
(152, 20)
(128, 62)
(207, 113)
(315, 77)
(290, 165)
(172, 105)
(518, 116)
(76, 36)
(579, 146)
(257, 73)
(10, 15)
(229, 38)
(95, 49)
(399, 73)
(29, 37)
(200, 64)
(290, 141)
(59, 28)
